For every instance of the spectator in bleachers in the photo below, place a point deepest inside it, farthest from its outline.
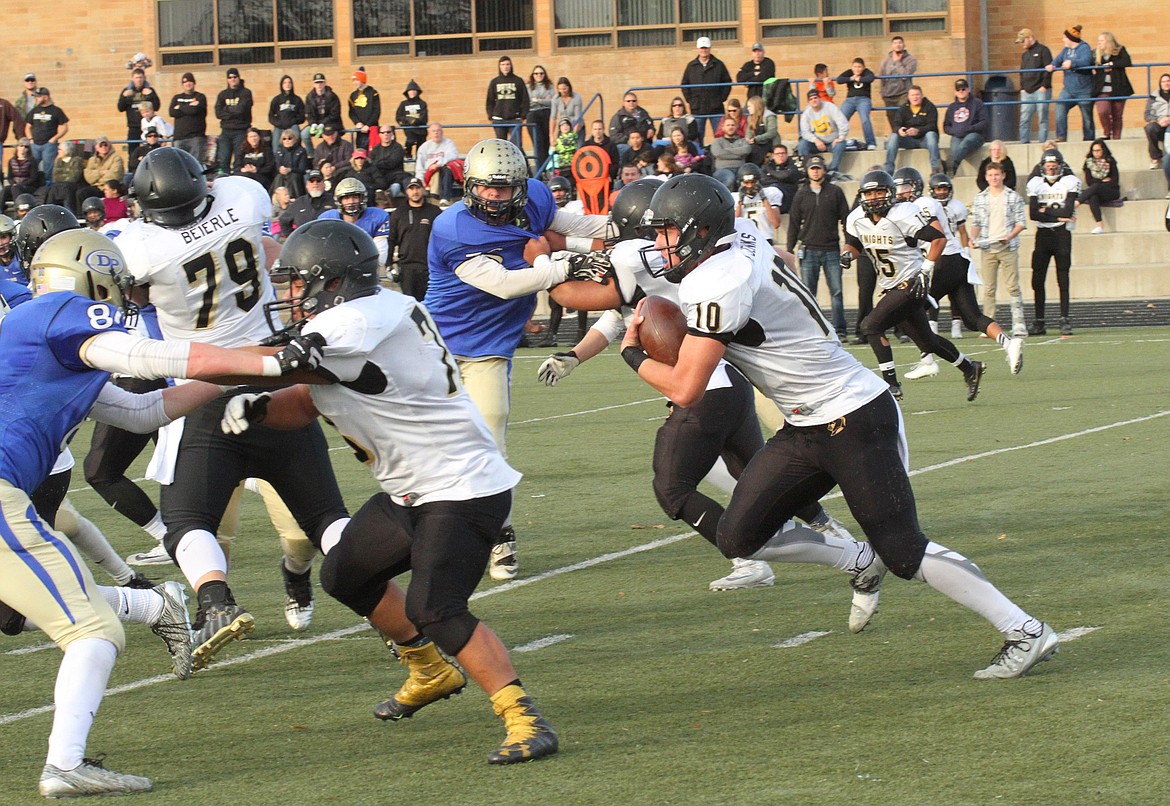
(280, 202)
(24, 173)
(858, 82)
(233, 108)
(254, 158)
(189, 112)
(151, 141)
(640, 153)
(667, 167)
(628, 175)
(967, 122)
(333, 147)
(997, 153)
(755, 71)
(706, 85)
(1158, 119)
(781, 172)
(915, 126)
(565, 146)
(825, 86)
(359, 168)
(327, 169)
(683, 149)
(733, 110)
(507, 103)
(365, 109)
(9, 119)
(387, 159)
(541, 92)
(431, 164)
(631, 117)
(104, 166)
(761, 129)
(1101, 181)
(27, 99)
(1035, 85)
(45, 125)
(136, 93)
(290, 162)
(1076, 59)
(114, 199)
(152, 120)
(896, 91)
(567, 104)
(412, 112)
(679, 117)
(1111, 85)
(68, 176)
(286, 113)
(598, 137)
(322, 109)
(823, 129)
(728, 154)
(308, 206)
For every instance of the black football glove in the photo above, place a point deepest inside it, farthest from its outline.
(303, 352)
(592, 267)
(846, 259)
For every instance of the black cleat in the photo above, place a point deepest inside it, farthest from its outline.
(1037, 328)
(973, 378)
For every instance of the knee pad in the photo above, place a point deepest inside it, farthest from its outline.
(869, 327)
(451, 634)
(672, 497)
(360, 596)
(902, 557)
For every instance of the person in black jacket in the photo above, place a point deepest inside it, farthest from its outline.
(755, 71)
(410, 231)
(365, 109)
(858, 83)
(779, 171)
(412, 112)
(233, 107)
(915, 126)
(598, 137)
(189, 112)
(286, 112)
(386, 160)
(705, 100)
(507, 103)
(322, 108)
(307, 207)
(254, 158)
(291, 161)
(818, 214)
(137, 91)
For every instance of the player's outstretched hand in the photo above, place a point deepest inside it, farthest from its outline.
(593, 267)
(556, 367)
(243, 410)
(304, 352)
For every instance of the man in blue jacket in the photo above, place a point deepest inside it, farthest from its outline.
(1075, 58)
(966, 122)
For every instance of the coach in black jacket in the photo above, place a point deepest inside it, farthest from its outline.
(706, 101)
(410, 231)
(817, 216)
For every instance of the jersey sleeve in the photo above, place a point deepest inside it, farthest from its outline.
(345, 330)
(75, 323)
(716, 304)
(909, 219)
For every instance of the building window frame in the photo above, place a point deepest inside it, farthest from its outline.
(271, 50)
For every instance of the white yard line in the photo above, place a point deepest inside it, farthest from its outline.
(803, 638)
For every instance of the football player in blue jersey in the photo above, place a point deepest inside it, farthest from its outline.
(60, 349)
(351, 197)
(9, 259)
(486, 263)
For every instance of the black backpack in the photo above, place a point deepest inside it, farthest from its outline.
(780, 99)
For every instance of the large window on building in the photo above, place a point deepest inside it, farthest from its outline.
(643, 23)
(441, 27)
(234, 32)
(837, 19)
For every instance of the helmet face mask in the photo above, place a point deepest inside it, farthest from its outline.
(941, 187)
(908, 184)
(350, 194)
(84, 262)
(495, 164)
(691, 213)
(327, 262)
(877, 193)
(562, 190)
(170, 188)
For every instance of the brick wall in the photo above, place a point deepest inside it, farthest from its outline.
(81, 58)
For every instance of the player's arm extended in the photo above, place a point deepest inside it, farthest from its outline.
(489, 275)
(578, 233)
(125, 354)
(141, 414)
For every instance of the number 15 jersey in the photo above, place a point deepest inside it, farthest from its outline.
(207, 280)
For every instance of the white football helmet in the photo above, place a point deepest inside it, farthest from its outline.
(84, 262)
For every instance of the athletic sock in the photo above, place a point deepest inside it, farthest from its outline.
(81, 682)
(951, 573)
(137, 605)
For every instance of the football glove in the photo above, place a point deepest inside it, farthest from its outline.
(139, 581)
(928, 270)
(243, 410)
(303, 352)
(846, 259)
(556, 367)
(593, 267)
(919, 287)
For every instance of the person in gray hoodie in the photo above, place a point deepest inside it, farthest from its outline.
(412, 112)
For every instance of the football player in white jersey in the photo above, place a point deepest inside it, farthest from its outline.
(843, 427)
(201, 254)
(954, 275)
(1052, 201)
(889, 232)
(760, 205)
(395, 392)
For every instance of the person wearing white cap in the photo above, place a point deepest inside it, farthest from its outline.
(756, 70)
(706, 85)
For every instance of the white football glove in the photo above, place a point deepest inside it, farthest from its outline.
(556, 367)
(243, 410)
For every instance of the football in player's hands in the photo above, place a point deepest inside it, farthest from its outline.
(662, 330)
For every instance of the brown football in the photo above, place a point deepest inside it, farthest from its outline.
(662, 330)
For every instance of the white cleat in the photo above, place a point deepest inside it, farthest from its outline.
(833, 528)
(1021, 651)
(866, 584)
(156, 556)
(503, 564)
(1015, 354)
(925, 368)
(90, 778)
(745, 574)
(174, 628)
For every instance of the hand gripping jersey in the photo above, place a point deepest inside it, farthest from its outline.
(1053, 193)
(775, 332)
(46, 390)
(474, 323)
(207, 281)
(754, 209)
(400, 403)
(891, 242)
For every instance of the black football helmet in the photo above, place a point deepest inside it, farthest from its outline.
(703, 211)
(96, 206)
(495, 163)
(627, 209)
(41, 224)
(874, 181)
(23, 203)
(941, 187)
(559, 184)
(316, 254)
(749, 174)
(908, 178)
(171, 188)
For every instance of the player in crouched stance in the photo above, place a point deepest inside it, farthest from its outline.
(394, 391)
(843, 426)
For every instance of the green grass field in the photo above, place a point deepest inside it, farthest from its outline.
(663, 692)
